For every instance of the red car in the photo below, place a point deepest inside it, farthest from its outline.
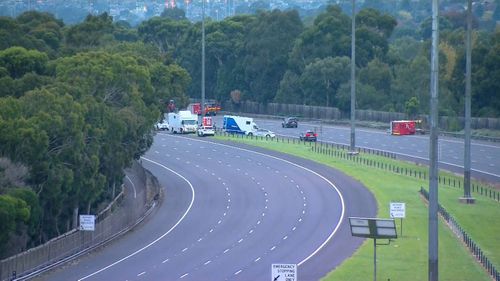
(309, 135)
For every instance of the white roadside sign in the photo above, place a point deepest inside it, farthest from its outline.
(397, 210)
(87, 222)
(284, 272)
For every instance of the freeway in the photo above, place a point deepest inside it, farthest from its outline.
(485, 156)
(230, 212)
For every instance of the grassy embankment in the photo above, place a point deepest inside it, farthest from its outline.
(407, 257)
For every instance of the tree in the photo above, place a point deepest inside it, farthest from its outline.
(95, 31)
(174, 14)
(164, 33)
(266, 49)
(19, 61)
(322, 78)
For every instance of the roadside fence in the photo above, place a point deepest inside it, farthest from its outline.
(465, 237)
(342, 151)
(110, 223)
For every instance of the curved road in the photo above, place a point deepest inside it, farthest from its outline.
(485, 156)
(228, 214)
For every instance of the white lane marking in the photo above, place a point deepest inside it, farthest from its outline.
(226, 250)
(207, 262)
(241, 240)
(293, 229)
(238, 272)
(219, 222)
(251, 231)
(211, 230)
(184, 275)
(336, 228)
(165, 261)
(133, 186)
(257, 259)
(142, 273)
(185, 249)
(199, 240)
(286, 237)
(272, 248)
(258, 222)
(161, 236)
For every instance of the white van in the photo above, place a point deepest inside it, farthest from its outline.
(183, 122)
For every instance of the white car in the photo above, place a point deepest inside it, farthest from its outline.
(205, 131)
(162, 125)
(264, 133)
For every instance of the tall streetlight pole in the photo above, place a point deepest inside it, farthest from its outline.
(433, 152)
(353, 82)
(468, 61)
(203, 58)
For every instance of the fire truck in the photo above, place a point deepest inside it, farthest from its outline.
(406, 127)
(210, 108)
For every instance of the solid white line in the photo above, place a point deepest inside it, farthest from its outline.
(133, 186)
(161, 236)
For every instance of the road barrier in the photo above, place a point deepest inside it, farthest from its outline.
(109, 224)
(342, 151)
(465, 237)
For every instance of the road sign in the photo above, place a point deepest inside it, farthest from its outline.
(87, 222)
(283, 272)
(397, 210)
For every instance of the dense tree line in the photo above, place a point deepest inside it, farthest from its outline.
(77, 102)
(77, 105)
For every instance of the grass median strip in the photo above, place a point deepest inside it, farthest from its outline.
(407, 257)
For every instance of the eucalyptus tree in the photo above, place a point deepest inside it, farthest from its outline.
(270, 39)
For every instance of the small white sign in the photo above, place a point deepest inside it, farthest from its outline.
(397, 210)
(87, 222)
(284, 272)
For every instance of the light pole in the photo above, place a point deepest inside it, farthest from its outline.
(353, 83)
(467, 140)
(433, 152)
(203, 58)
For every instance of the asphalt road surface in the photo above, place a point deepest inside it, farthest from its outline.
(229, 213)
(485, 156)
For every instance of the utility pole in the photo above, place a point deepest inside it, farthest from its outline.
(203, 58)
(433, 152)
(353, 82)
(467, 133)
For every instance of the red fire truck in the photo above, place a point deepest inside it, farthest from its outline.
(406, 127)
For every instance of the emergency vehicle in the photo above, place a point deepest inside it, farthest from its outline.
(406, 127)
(182, 122)
(239, 125)
(206, 128)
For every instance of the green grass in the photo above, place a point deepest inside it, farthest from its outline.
(407, 257)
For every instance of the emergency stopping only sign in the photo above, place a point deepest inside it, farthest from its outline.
(397, 210)
(284, 272)
(87, 222)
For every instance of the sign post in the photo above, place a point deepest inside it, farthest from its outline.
(398, 210)
(87, 222)
(376, 229)
(283, 272)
